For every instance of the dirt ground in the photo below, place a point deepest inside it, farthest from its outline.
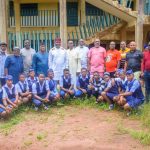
(72, 128)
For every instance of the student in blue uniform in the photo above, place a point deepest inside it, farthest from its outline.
(14, 65)
(41, 92)
(12, 96)
(40, 60)
(23, 89)
(82, 84)
(66, 85)
(97, 85)
(112, 89)
(54, 95)
(4, 108)
(133, 96)
(31, 79)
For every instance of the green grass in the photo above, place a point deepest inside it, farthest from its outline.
(41, 136)
(142, 136)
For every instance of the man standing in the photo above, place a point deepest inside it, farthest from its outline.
(3, 55)
(83, 53)
(40, 61)
(96, 58)
(57, 60)
(74, 61)
(133, 60)
(146, 71)
(123, 51)
(113, 58)
(27, 53)
(14, 65)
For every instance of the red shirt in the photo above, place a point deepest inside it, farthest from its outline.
(112, 58)
(146, 61)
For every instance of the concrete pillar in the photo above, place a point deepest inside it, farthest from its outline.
(3, 21)
(139, 25)
(17, 21)
(82, 8)
(63, 22)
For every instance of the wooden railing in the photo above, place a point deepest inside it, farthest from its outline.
(43, 18)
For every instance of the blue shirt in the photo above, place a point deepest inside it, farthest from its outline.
(34, 87)
(22, 87)
(3, 56)
(14, 64)
(52, 86)
(40, 63)
(61, 82)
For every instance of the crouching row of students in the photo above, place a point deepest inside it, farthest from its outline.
(124, 90)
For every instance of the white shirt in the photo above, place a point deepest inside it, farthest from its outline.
(27, 55)
(83, 54)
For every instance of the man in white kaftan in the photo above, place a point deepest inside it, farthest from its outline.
(74, 61)
(83, 53)
(57, 60)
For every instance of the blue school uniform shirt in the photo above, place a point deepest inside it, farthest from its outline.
(52, 86)
(40, 89)
(66, 82)
(14, 64)
(134, 86)
(30, 82)
(114, 88)
(10, 92)
(83, 82)
(22, 87)
(40, 63)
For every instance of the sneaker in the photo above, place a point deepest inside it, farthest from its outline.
(36, 108)
(128, 113)
(111, 107)
(96, 101)
(45, 107)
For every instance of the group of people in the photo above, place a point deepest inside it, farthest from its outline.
(110, 76)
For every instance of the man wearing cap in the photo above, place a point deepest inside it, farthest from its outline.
(146, 71)
(74, 61)
(133, 60)
(83, 53)
(27, 53)
(3, 55)
(14, 65)
(96, 58)
(57, 59)
(133, 96)
(40, 61)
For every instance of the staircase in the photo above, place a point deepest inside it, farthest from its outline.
(116, 8)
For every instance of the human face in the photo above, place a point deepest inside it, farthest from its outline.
(84, 72)
(122, 76)
(16, 52)
(132, 46)
(51, 75)
(96, 76)
(3, 48)
(32, 74)
(22, 78)
(66, 74)
(106, 78)
(42, 48)
(81, 42)
(112, 45)
(9, 83)
(123, 45)
(57, 44)
(70, 44)
(130, 77)
(27, 44)
(97, 43)
(41, 77)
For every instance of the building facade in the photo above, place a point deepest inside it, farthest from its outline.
(44, 20)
